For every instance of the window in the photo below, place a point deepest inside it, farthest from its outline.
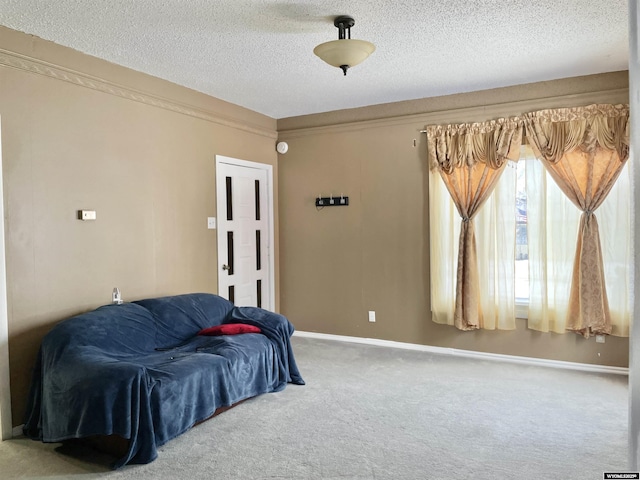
(526, 236)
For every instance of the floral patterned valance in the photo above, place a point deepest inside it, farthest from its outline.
(491, 142)
(551, 133)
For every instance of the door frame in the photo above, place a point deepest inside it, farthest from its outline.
(6, 430)
(270, 220)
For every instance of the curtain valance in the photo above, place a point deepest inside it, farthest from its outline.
(552, 133)
(491, 143)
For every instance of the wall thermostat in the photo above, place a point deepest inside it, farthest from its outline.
(282, 147)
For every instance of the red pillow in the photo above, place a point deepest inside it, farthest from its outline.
(229, 329)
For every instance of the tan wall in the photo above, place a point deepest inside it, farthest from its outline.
(80, 133)
(340, 262)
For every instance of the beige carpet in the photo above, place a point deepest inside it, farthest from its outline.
(382, 413)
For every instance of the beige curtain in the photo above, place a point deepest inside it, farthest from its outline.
(584, 150)
(552, 226)
(495, 229)
(470, 159)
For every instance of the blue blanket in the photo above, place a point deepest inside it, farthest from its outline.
(140, 371)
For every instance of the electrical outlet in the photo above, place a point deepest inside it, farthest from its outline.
(372, 316)
(600, 338)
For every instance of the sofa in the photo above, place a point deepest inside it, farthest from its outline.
(144, 373)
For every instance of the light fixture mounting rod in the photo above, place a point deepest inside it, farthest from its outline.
(344, 24)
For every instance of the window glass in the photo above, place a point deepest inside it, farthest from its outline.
(522, 251)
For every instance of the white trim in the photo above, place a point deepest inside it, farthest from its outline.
(17, 431)
(5, 393)
(271, 220)
(540, 362)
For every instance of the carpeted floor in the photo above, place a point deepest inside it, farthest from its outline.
(381, 413)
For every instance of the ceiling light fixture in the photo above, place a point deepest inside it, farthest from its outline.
(344, 52)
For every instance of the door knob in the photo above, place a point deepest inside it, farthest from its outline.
(226, 267)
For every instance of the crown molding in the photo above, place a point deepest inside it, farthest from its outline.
(40, 67)
(466, 114)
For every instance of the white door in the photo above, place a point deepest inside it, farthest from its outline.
(245, 232)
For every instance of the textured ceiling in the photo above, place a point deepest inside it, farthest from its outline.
(259, 53)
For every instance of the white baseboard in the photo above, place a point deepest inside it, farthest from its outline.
(17, 431)
(540, 362)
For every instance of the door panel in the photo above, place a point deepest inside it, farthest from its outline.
(244, 231)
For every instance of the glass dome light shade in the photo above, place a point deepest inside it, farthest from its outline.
(344, 52)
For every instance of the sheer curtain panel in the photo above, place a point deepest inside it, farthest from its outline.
(470, 159)
(584, 149)
(553, 224)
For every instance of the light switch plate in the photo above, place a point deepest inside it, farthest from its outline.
(211, 223)
(86, 214)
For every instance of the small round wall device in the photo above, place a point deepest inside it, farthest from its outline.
(282, 147)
